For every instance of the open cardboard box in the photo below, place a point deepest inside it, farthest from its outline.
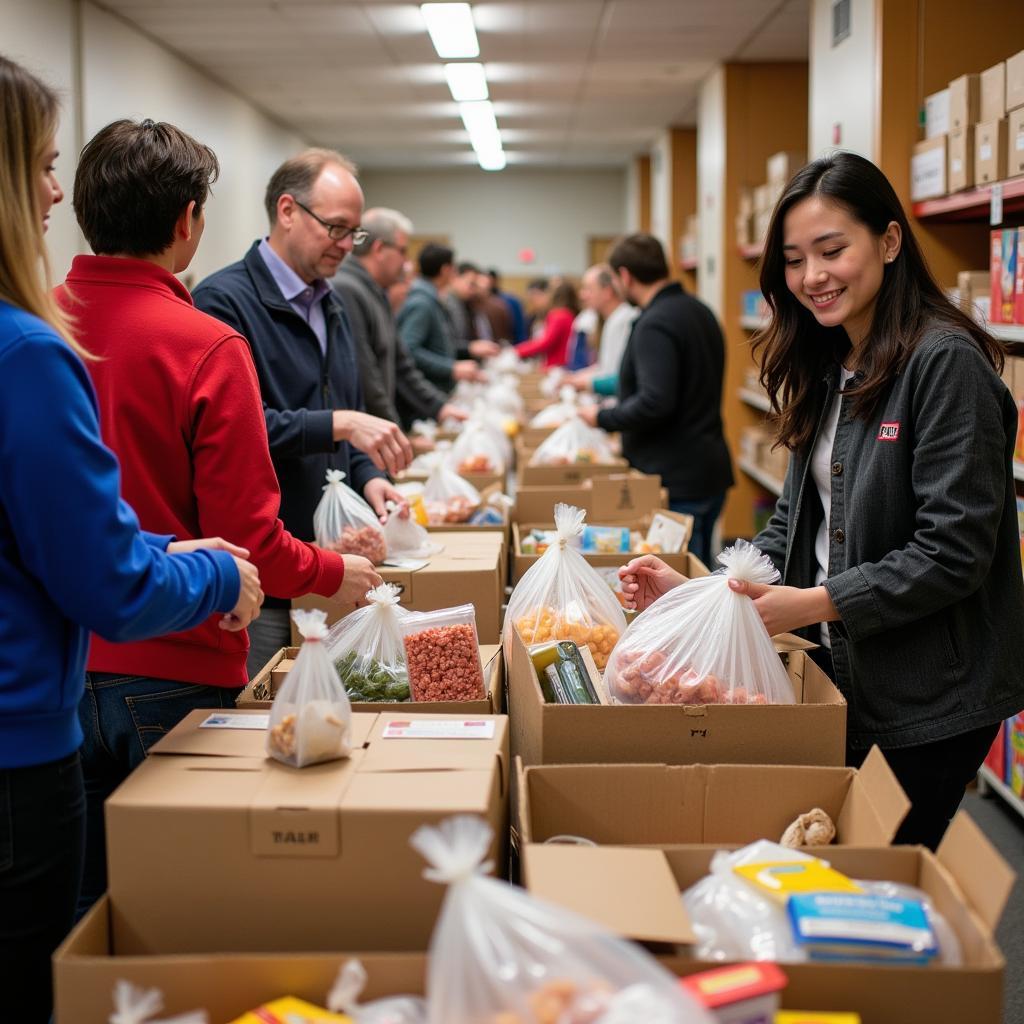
(472, 569)
(559, 476)
(212, 846)
(618, 498)
(675, 805)
(681, 561)
(260, 691)
(812, 731)
(630, 891)
(88, 965)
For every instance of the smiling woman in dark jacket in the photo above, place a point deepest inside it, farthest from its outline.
(897, 525)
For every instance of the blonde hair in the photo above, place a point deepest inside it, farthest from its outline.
(29, 115)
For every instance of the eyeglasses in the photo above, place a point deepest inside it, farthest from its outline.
(337, 232)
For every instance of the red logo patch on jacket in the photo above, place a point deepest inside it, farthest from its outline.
(888, 432)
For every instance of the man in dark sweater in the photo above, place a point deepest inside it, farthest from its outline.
(670, 389)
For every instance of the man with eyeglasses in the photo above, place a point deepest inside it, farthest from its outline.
(277, 297)
(393, 386)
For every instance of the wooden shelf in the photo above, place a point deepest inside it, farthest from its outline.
(766, 480)
(753, 323)
(1007, 332)
(752, 252)
(989, 779)
(690, 265)
(972, 204)
(755, 399)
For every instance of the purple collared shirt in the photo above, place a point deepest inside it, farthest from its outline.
(305, 299)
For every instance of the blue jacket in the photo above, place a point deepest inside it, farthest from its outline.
(426, 329)
(301, 386)
(72, 557)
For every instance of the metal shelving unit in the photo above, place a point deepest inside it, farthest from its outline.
(988, 780)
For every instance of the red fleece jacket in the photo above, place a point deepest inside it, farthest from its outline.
(553, 344)
(180, 406)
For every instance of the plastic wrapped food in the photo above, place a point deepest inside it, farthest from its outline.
(561, 412)
(447, 498)
(500, 956)
(344, 998)
(442, 652)
(477, 450)
(702, 643)
(134, 1005)
(406, 538)
(367, 650)
(343, 522)
(574, 443)
(311, 717)
(562, 597)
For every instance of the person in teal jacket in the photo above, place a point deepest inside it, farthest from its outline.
(72, 561)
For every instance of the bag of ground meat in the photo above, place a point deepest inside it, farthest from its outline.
(135, 1005)
(501, 956)
(344, 998)
(447, 498)
(366, 648)
(343, 522)
(442, 653)
(563, 597)
(702, 643)
(311, 717)
(572, 444)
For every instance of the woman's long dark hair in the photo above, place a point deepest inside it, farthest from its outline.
(796, 352)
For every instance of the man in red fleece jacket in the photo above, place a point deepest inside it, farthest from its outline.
(180, 405)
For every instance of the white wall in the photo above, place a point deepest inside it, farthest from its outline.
(661, 190)
(490, 217)
(843, 81)
(711, 157)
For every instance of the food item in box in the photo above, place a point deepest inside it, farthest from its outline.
(443, 655)
(311, 717)
(574, 443)
(561, 412)
(479, 449)
(290, 1010)
(606, 540)
(702, 643)
(562, 673)
(136, 1005)
(366, 679)
(544, 624)
(406, 537)
(343, 522)
(349, 986)
(447, 498)
(815, 828)
(667, 534)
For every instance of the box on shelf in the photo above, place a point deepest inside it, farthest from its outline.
(961, 159)
(1015, 143)
(812, 731)
(928, 169)
(964, 101)
(1003, 271)
(1015, 81)
(677, 805)
(763, 198)
(780, 167)
(990, 151)
(973, 285)
(936, 114)
(967, 880)
(993, 93)
(618, 498)
(471, 569)
(762, 222)
(256, 856)
(260, 691)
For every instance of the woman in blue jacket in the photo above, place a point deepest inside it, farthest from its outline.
(72, 560)
(896, 533)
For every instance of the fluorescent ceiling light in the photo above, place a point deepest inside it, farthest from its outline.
(466, 81)
(478, 117)
(491, 161)
(451, 30)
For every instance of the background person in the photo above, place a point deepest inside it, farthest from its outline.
(553, 341)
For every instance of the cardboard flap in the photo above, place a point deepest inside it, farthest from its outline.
(521, 819)
(875, 806)
(978, 867)
(411, 754)
(633, 892)
(786, 643)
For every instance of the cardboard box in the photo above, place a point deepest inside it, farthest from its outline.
(1003, 271)
(782, 166)
(88, 965)
(260, 691)
(993, 93)
(1015, 143)
(619, 498)
(972, 285)
(762, 224)
(936, 114)
(1015, 81)
(964, 101)
(812, 731)
(961, 159)
(472, 569)
(928, 169)
(763, 198)
(558, 476)
(990, 151)
(211, 846)
(966, 879)
(666, 806)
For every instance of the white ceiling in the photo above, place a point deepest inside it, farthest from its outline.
(574, 82)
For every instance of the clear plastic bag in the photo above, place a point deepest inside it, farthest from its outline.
(503, 396)
(574, 443)
(134, 1005)
(701, 643)
(367, 651)
(425, 463)
(562, 597)
(551, 385)
(447, 498)
(442, 652)
(344, 998)
(405, 537)
(311, 717)
(478, 450)
(425, 428)
(561, 412)
(500, 956)
(343, 522)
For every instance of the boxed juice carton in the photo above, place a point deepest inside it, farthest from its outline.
(1003, 271)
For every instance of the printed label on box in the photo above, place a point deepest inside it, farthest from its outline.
(461, 729)
(236, 722)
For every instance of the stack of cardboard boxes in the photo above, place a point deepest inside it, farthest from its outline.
(754, 211)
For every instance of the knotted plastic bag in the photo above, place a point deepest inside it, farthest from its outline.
(561, 412)
(405, 537)
(574, 443)
(367, 651)
(311, 717)
(343, 522)
(135, 1005)
(478, 449)
(500, 956)
(702, 643)
(448, 498)
(350, 984)
(563, 597)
